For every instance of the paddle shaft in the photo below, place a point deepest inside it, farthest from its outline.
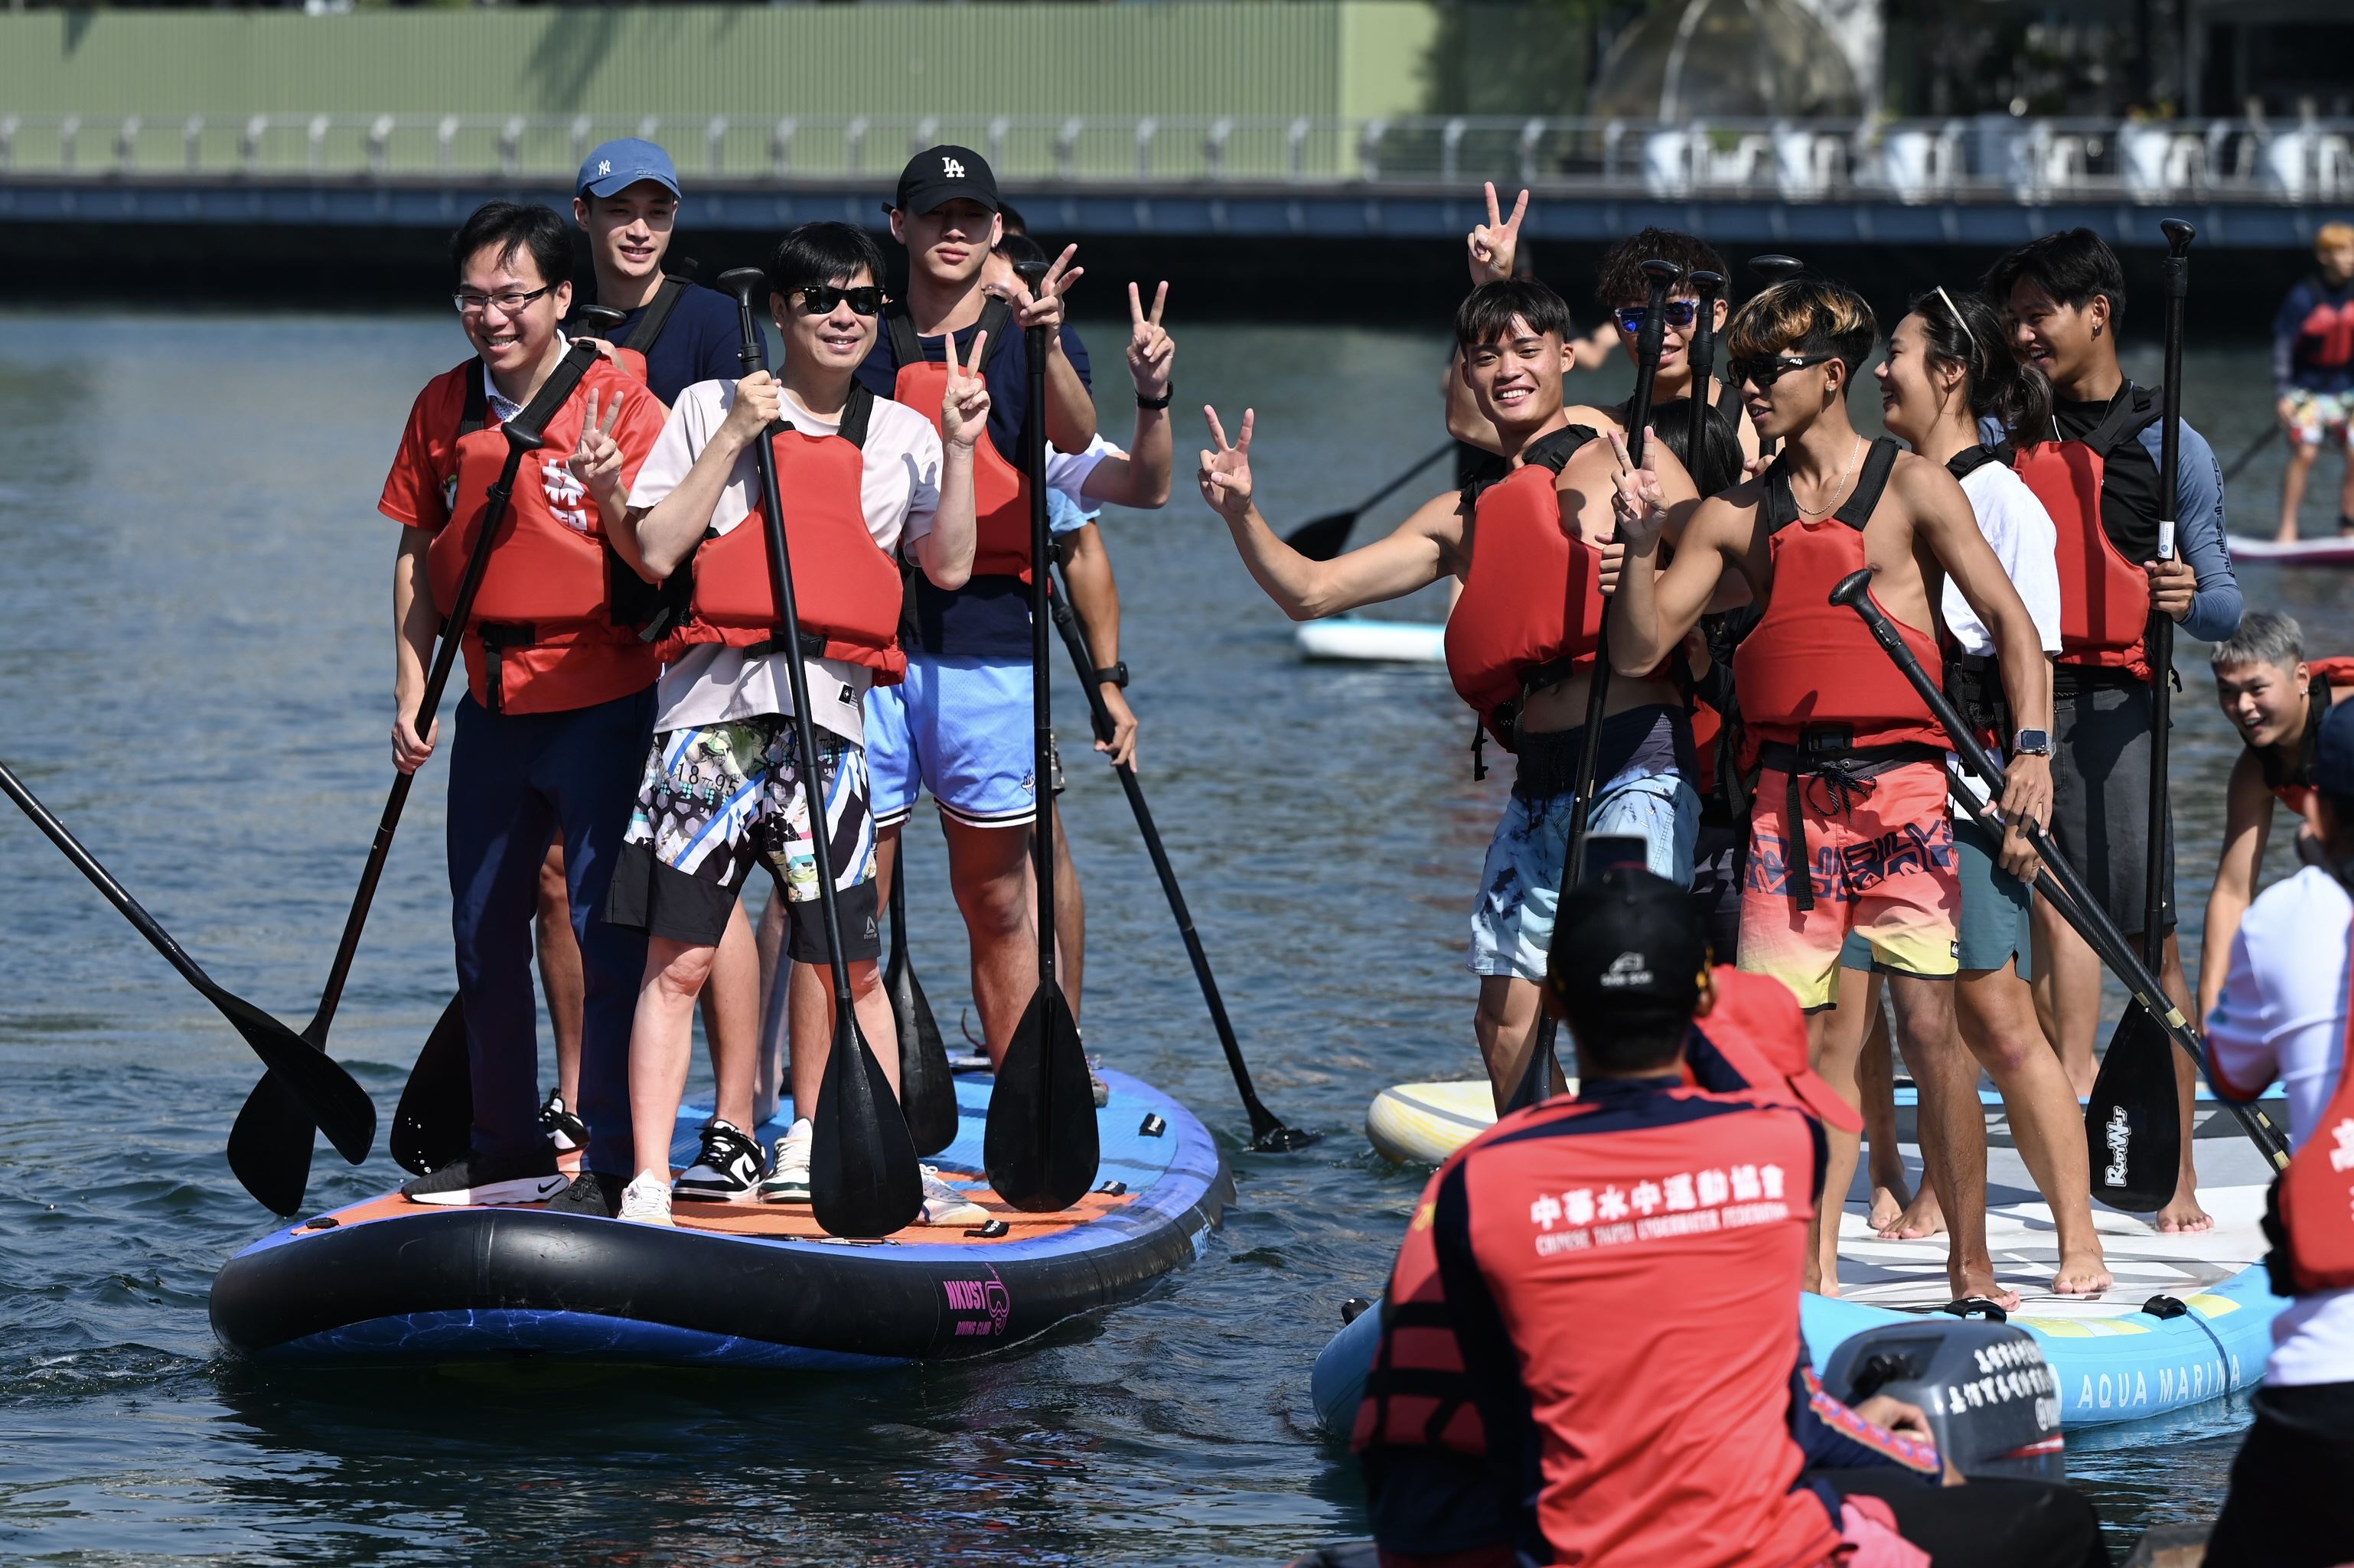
(2265, 437)
(1700, 350)
(2178, 236)
(1536, 1078)
(2090, 918)
(1265, 1124)
(1042, 707)
(1394, 486)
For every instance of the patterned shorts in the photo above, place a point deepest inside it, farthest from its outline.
(2319, 416)
(719, 799)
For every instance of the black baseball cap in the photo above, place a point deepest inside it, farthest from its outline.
(939, 175)
(1627, 949)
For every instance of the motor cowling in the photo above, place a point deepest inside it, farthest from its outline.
(1991, 1398)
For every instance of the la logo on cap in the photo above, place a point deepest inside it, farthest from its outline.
(1627, 968)
(952, 169)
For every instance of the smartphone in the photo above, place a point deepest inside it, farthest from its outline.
(1605, 851)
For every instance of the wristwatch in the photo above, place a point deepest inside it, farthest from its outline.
(1115, 676)
(2030, 743)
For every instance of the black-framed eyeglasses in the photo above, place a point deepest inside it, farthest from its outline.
(864, 301)
(470, 303)
(1767, 369)
(1679, 313)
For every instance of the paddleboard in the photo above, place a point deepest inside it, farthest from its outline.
(754, 1285)
(2317, 552)
(1354, 636)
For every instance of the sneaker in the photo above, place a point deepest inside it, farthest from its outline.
(728, 1171)
(568, 1133)
(597, 1192)
(789, 1169)
(475, 1179)
(646, 1200)
(945, 1205)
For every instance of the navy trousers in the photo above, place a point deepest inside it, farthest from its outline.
(514, 781)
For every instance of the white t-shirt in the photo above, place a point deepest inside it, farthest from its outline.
(2283, 1015)
(2027, 543)
(899, 493)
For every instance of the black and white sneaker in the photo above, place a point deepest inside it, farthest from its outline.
(728, 1171)
(566, 1132)
(596, 1192)
(480, 1180)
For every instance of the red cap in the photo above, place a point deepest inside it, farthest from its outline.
(1755, 1024)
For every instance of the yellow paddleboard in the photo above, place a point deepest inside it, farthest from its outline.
(1422, 1124)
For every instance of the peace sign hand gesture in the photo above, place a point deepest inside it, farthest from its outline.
(1641, 506)
(1225, 475)
(1045, 307)
(964, 406)
(596, 462)
(1151, 351)
(1495, 243)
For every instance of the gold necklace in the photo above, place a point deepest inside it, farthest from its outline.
(1839, 486)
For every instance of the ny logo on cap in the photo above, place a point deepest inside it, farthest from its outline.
(952, 169)
(604, 166)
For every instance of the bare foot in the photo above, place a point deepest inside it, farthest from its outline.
(2184, 1214)
(1888, 1207)
(1981, 1282)
(2081, 1273)
(1920, 1218)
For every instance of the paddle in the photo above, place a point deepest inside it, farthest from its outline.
(1040, 1146)
(1269, 1134)
(1773, 268)
(269, 1144)
(321, 1086)
(2136, 1088)
(1700, 350)
(2069, 898)
(1536, 1079)
(864, 1181)
(2265, 437)
(926, 1085)
(1321, 538)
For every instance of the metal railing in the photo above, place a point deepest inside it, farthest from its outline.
(1989, 158)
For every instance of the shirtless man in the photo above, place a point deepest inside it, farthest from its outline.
(1850, 829)
(1516, 545)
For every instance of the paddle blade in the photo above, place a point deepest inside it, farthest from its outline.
(269, 1146)
(2133, 1125)
(327, 1092)
(1321, 538)
(1040, 1146)
(434, 1123)
(862, 1177)
(926, 1086)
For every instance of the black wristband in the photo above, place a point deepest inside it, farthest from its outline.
(1113, 676)
(1161, 402)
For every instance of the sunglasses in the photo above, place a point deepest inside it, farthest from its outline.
(1767, 369)
(819, 301)
(1679, 313)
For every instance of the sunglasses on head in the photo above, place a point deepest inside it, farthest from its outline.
(1679, 313)
(864, 301)
(1767, 369)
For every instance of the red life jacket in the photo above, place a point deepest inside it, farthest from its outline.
(2103, 597)
(1811, 665)
(1001, 492)
(2326, 336)
(2309, 1217)
(2295, 790)
(846, 590)
(1513, 631)
(547, 634)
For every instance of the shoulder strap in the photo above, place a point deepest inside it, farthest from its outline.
(2123, 419)
(856, 415)
(649, 329)
(1967, 461)
(1781, 503)
(1554, 450)
(993, 317)
(1856, 511)
(906, 348)
(477, 412)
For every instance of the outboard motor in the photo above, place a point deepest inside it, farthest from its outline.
(1990, 1396)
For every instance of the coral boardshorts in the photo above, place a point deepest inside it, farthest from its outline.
(1882, 863)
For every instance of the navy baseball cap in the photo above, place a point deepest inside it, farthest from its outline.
(617, 165)
(2333, 755)
(939, 175)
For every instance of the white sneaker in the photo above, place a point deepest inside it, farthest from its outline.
(945, 1205)
(646, 1199)
(788, 1180)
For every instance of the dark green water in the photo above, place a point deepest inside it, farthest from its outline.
(194, 672)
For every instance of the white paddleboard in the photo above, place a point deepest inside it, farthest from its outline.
(1378, 641)
(2317, 552)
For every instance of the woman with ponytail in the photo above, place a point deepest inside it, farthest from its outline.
(1949, 376)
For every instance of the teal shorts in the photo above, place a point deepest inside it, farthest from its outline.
(1993, 928)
